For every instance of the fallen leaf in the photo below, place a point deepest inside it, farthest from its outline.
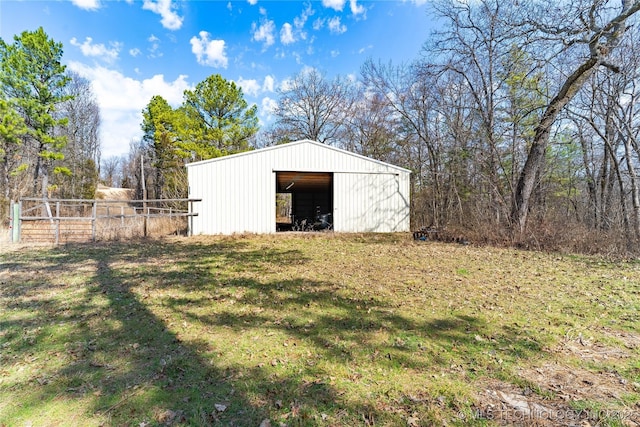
(167, 417)
(413, 421)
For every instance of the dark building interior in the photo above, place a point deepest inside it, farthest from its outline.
(310, 205)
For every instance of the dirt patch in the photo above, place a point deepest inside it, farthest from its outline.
(590, 350)
(507, 404)
(629, 340)
(569, 383)
(558, 390)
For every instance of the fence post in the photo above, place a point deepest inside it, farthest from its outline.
(11, 220)
(94, 219)
(16, 210)
(146, 219)
(57, 223)
(190, 222)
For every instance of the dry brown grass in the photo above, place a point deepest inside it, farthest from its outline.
(557, 237)
(112, 193)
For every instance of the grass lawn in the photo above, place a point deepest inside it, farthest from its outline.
(315, 330)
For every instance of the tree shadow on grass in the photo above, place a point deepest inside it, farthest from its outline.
(336, 324)
(118, 355)
(132, 367)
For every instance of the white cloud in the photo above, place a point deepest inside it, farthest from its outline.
(310, 49)
(268, 106)
(417, 2)
(356, 9)
(335, 26)
(252, 2)
(286, 34)
(291, 33)
(264, 32)
(364, 49)
(307, 69)
(286, 85)
(165, 8)
(268, 84)
(334, 4)
(88, 48)
(300, 21)
(122, 99)
(318, 24)
(335, 53)
(249, 86)
(134, 52)
(209, 52)
(253, 88)
(87, 4)
(154, 49)
(266, 109)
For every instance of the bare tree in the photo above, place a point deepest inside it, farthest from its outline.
(110, 171)
(312, 107)
(590, 30)
(410, 93)
(82, 152)
(593, 113)
(371, 129)
(476, 46)
(136, 166)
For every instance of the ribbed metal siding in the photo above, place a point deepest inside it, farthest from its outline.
(370, 202)
(237, 195)
(238, 192)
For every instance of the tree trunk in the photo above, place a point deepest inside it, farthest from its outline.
(635, 191)
(601, 41)
(527, 179)
(4, 178)
(44, 172)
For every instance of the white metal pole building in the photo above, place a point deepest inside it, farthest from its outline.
(357, 193)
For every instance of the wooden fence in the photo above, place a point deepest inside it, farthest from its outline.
(78, 220)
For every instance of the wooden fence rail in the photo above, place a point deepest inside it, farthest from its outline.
(66, 220)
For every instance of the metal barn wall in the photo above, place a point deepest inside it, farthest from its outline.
(238, 195)
(238, 191)
(371, 202)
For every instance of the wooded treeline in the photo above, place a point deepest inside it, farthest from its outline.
(520, 122)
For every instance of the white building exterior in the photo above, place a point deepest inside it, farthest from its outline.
(238, 192)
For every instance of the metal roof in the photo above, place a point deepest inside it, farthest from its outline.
(289, 145)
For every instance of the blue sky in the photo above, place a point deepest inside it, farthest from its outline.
(132, 50)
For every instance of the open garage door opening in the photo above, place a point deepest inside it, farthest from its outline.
(304, 201)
